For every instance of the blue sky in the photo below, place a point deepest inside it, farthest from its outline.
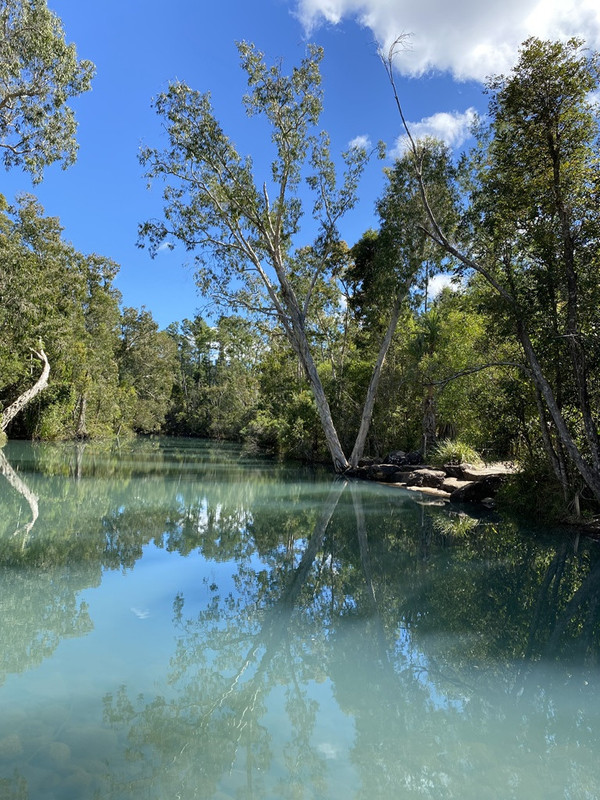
(138, 47)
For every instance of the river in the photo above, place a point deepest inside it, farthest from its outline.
(182, 620)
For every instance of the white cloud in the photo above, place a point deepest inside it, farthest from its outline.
(439, 282)
(453, 128)
(360, 143)
(469, 38)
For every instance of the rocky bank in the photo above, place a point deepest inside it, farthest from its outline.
(458, 483)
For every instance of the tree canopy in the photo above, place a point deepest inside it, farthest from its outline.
(315, 347)
(39, 74)
(244, 230)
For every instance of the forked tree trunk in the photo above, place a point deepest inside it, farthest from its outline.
(11, 412)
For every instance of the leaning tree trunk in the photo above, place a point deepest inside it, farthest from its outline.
(340, 462)
(589, 472)
(11, 412)
(367, 413)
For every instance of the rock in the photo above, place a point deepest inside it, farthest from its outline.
(384, 472)
(452, 484)
(403, 476)
(398, 457)
(426, 477)
(363, 471)
(457, 470)
(471, 473)
(479, 490)
(368, 462)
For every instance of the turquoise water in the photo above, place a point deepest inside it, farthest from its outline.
(180, 620)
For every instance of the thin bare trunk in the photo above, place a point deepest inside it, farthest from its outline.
(81, 432)
(299, 342)
(589, 475)
(429, 420)
(367, 413)
(555, 455)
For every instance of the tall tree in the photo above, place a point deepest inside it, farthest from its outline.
(39, 74)
(189, 414)
(401, 258)
(245, 230)
(531, 234)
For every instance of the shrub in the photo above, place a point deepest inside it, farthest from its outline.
(453, 452)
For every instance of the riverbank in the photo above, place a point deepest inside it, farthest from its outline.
(456, 483)
(460, 484)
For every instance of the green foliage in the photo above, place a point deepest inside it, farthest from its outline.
(214, 206)
(244, 242)
(454, 526)
(450, 451)
(285, 418)
(534, 221)
(533, 492)
(146, 361)
(101, 381)
(524, 200)
(39, 74)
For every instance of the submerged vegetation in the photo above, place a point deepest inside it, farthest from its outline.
(321, 349)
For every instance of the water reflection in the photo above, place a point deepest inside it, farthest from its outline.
(337, 640)
(22, 529)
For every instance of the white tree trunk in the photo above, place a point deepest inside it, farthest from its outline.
(11, 412)
(300, 345)
(367, 413)
(24, 490)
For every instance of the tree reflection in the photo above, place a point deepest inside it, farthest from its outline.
(225, 665)
(429, 714)
(95, 507)
(23, 529)
(366, 646)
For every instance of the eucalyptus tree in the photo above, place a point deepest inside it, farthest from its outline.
(39, 74)
(243, 230)
(531, 233)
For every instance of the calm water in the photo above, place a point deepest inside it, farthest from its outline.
(180, 621)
